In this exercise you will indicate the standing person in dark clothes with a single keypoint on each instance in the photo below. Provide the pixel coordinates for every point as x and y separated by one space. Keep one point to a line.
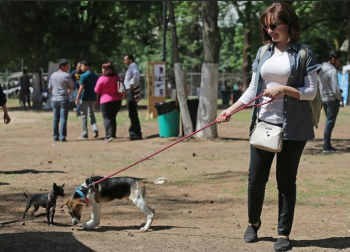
76 78
132 92
24 82
3 102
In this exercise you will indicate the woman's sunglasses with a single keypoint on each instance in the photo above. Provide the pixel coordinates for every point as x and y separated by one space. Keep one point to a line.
271 26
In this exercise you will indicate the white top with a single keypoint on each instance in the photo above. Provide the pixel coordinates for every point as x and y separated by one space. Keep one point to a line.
132 76
276 71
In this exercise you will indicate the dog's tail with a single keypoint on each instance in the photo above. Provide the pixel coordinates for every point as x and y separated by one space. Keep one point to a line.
25 195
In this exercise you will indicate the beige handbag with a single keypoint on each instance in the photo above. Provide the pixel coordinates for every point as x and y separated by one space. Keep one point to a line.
267 137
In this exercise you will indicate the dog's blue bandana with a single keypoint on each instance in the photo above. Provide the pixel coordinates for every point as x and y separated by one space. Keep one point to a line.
82 195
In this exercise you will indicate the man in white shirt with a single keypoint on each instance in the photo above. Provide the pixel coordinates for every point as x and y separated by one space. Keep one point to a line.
132 92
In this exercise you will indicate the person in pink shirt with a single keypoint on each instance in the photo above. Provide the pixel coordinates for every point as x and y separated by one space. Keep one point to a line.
106 88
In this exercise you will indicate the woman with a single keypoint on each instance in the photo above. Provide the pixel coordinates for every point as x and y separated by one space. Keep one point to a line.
278 74
110 102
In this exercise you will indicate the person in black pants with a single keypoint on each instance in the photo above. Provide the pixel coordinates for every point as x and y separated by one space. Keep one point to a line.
278 75
107 90
132 92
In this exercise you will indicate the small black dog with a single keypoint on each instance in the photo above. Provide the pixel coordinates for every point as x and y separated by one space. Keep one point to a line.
47 201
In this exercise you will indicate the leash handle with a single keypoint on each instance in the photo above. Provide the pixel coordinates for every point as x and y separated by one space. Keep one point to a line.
185 137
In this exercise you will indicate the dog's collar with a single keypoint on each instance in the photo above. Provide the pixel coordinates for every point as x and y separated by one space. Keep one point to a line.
82 195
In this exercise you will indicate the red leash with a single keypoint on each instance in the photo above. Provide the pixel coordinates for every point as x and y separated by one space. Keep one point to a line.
185 137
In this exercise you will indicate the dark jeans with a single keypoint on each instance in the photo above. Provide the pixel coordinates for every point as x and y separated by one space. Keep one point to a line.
25 97
135 127
109 112
331 109
286 173
60 113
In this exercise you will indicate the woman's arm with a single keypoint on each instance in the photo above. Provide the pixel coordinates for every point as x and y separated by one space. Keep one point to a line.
248 95
308 92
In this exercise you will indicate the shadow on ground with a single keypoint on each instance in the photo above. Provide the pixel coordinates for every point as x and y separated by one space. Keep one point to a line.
38 241
330 243
25 171
132 228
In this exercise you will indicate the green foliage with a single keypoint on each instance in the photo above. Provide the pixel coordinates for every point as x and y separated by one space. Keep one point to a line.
43 31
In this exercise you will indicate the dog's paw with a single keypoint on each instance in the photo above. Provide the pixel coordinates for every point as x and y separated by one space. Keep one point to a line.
143 229
89 225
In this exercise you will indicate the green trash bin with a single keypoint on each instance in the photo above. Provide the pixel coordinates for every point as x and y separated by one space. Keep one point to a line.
168 119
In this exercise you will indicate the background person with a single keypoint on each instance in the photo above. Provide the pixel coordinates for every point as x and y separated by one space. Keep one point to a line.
59 85
3 102
24 83
132 92
75 75
110 102
86 97
331 96
278 74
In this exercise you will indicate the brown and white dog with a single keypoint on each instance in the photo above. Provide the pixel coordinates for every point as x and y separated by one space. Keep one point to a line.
105 191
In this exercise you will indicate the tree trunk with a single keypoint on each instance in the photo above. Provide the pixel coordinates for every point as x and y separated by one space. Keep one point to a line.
247 63
207 110
37 99
180 89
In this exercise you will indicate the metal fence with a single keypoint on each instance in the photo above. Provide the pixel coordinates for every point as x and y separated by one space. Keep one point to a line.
10 83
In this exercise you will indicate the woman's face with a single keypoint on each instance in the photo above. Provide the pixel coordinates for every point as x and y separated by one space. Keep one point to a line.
277 30
103 71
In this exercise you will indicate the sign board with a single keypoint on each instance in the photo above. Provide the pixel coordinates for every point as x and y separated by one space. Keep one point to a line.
156 86
343 80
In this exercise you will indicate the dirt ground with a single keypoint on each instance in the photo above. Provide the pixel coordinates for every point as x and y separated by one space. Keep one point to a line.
202 207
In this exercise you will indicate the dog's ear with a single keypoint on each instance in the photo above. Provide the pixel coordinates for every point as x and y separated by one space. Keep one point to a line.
65 203
63 185
54 186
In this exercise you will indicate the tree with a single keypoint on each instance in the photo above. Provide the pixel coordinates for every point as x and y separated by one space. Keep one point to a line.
210 70
245 18
180 89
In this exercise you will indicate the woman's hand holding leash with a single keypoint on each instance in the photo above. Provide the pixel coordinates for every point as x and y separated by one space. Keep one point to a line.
224 116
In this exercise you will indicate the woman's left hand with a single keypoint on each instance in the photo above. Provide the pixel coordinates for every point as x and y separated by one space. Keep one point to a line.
273 92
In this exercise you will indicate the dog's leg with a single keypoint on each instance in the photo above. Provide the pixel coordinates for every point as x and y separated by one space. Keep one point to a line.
48 215
36 207
95 213
141 203
52 214
26 210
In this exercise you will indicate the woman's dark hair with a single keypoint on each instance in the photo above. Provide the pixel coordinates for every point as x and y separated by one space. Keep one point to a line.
284 12
109 69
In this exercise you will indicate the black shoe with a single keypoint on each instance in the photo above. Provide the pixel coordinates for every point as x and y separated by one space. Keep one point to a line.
282 244
63 140
251 234
56 139
329 150
135 137
95 134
